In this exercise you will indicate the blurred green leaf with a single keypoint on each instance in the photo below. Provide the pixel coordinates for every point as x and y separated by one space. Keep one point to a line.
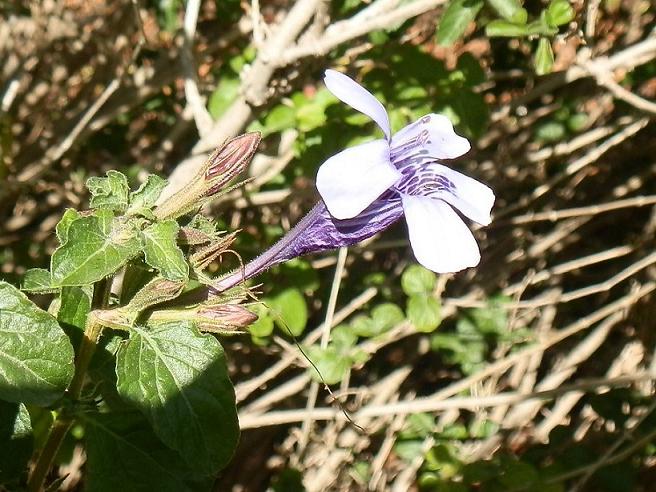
225 93
502 28
544 57
417 280
263 326
551 131
457 16
578 122
559 12
511 10
330 364
290 311
424 312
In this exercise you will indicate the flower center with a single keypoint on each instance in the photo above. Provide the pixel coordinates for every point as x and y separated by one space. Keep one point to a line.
423 182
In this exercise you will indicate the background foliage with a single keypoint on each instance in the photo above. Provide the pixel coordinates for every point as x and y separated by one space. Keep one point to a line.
532 372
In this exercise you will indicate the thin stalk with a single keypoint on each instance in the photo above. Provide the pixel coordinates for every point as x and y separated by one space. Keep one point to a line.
64 421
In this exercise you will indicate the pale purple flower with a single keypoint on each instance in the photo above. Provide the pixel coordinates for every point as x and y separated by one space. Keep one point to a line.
405 167
367 188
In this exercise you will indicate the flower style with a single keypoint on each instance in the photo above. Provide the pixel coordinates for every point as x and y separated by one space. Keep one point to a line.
405 167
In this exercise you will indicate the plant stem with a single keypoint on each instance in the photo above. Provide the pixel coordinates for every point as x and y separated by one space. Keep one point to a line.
63 423
43 464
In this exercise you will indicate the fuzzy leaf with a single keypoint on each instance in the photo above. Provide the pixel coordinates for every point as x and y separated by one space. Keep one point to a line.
110 192
123 454
36 357
64 223
37 280
162 252
178 378
147 194
97 247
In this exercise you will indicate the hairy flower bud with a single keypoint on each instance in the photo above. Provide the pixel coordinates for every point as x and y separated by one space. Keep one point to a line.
223 319
223 165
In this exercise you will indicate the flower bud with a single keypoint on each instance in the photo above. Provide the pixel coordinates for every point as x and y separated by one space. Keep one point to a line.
224 318
224 164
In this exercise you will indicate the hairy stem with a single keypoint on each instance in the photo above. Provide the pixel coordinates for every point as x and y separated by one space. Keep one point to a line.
64 421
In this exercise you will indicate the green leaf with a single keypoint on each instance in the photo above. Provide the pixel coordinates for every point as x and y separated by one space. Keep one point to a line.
385 316
110 192
162 252
502 28
75 306
147 194
37 280
330 363
178 378
457 16
290 311
263 326
97 246
64 223
551 131
16 440
424 312
36 358
280 118
510 10
544 57
123 454
559 12
417 280
223 96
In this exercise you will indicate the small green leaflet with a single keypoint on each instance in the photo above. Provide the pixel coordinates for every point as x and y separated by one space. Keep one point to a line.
37 280
145 197
110 192
36 357
162 252
178 378
64 223
98 245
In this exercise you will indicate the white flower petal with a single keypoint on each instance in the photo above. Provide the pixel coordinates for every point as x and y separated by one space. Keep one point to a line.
471 197
356 96
440 240
351 180
432 135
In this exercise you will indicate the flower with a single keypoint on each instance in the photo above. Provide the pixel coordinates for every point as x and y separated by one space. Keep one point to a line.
406 167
